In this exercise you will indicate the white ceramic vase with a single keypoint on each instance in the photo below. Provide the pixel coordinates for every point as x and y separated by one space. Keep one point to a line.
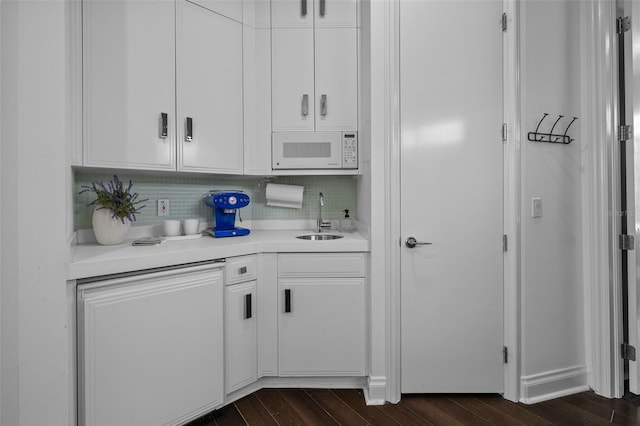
109 230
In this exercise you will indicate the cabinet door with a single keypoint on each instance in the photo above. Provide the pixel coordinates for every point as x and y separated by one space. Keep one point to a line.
209 90
336 79
150 349
335 13
229 8
292 13
241 338
129 82
323 332
309 13
293 79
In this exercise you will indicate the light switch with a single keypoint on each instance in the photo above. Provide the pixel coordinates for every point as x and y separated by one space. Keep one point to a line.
536 207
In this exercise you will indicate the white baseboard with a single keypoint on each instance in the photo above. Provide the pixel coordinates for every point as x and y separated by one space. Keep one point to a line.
553 384
375 390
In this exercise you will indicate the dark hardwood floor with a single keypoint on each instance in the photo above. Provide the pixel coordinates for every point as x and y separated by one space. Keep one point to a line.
347 407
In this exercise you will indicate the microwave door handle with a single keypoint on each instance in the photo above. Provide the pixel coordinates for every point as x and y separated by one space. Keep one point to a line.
305 105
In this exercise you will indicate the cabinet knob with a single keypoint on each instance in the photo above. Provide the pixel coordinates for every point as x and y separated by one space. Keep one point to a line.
305 105
303 8
242 270
323 8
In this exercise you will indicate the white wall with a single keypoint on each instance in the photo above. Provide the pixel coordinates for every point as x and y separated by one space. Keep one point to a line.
35 385
372 185
1 214
363 185
552 333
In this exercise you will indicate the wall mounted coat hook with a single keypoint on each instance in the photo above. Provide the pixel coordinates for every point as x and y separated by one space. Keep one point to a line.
538 136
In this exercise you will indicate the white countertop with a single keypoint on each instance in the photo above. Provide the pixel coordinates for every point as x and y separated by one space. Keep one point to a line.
93 259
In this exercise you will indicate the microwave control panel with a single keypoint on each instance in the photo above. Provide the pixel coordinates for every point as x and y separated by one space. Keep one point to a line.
349 150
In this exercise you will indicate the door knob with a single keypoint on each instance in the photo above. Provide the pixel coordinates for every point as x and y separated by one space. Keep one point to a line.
411 242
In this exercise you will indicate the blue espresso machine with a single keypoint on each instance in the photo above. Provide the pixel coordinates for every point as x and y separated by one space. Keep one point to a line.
224 205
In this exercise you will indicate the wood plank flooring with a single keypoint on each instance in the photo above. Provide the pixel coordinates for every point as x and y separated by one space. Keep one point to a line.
347 407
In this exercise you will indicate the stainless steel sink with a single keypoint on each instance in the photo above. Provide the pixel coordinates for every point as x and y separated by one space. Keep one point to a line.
319 237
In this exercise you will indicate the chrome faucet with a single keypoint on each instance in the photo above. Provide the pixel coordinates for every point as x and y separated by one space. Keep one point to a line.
320 206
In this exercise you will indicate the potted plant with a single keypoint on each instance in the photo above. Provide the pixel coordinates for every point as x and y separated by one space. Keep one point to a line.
115 208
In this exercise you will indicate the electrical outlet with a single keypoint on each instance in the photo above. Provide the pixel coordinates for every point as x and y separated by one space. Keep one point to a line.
163 207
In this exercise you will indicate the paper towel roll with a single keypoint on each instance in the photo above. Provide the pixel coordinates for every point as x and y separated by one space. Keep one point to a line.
284 195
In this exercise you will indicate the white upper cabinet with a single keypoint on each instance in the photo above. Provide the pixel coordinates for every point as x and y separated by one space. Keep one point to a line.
315 79
209 91
229 8
162 86
336 79
129 84
314 49
293 79
313 13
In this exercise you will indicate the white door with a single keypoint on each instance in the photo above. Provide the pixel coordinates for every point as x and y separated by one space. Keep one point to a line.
452 168
632 107
209 91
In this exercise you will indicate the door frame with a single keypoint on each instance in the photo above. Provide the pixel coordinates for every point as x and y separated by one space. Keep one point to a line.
511 203
601 279
601 197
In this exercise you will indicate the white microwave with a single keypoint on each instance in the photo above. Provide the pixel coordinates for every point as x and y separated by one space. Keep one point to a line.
314 150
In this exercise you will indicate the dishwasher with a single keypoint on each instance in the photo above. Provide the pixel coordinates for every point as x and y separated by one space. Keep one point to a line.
150 345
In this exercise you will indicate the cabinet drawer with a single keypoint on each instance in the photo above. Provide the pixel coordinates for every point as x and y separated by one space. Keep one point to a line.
321 265
241 269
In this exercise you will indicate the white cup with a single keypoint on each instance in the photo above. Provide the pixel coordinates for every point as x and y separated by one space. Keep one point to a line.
171 228
190 226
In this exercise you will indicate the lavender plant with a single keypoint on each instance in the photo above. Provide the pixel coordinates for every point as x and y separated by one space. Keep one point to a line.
115 197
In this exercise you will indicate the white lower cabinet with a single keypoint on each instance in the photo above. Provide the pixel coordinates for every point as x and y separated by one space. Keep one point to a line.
241 344
321 321
150 347
241 322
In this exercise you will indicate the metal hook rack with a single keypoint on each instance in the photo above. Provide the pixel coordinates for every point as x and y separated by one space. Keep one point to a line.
551 137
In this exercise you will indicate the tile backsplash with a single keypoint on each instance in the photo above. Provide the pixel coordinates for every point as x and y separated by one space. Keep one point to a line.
185 195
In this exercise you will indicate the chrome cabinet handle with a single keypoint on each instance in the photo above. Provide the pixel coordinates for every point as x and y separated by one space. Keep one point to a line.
323 8
303 8
188 137
164 124
323 105
305 105
411 242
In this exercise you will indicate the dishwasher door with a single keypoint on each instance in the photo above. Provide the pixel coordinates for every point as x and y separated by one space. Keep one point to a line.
150 346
